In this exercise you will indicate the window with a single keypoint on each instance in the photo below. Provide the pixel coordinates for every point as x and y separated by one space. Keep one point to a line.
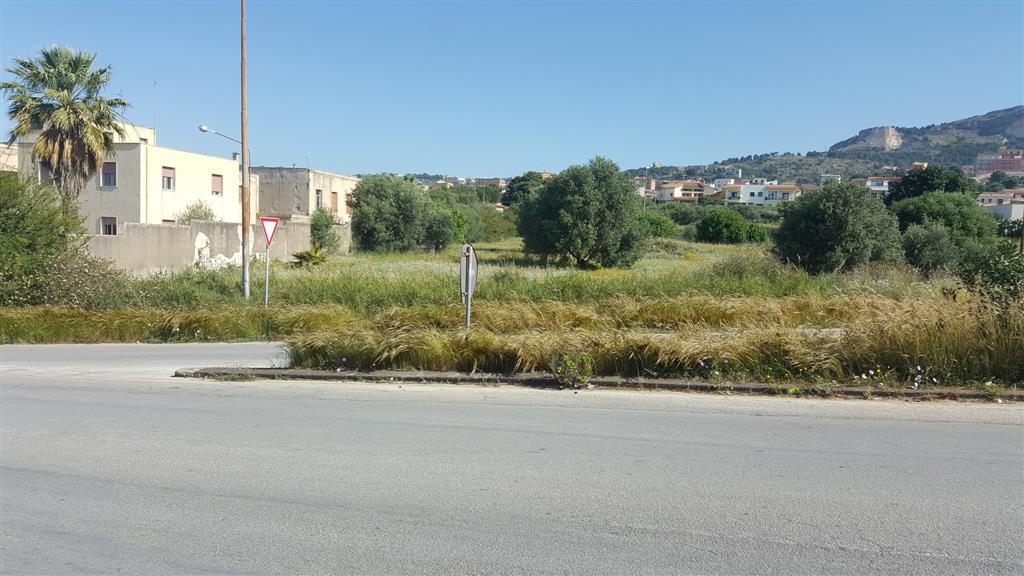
217 184
751 194
108 226
334 202
167 178
108 177
143 140
319 199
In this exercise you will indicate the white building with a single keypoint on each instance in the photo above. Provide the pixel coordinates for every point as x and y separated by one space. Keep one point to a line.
879 185
1005 204
682 191
760 193
149 184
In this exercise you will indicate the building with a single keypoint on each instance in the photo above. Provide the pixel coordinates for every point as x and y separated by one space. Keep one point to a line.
1009 160
8 157
878 185
826 178
760 193
297 192
149 184
682 191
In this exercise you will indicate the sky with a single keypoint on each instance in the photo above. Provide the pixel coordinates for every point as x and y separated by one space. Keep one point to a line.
498 88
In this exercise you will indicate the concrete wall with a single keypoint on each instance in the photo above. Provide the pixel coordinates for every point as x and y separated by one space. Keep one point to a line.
149 248
1006 211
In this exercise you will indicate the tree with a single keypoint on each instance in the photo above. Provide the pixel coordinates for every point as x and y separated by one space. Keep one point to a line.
722 226
521 186
390 214
1001 181
59 94
929 247
659 226
321 231
960 214
837 228
440 227
590 214
197 210
930 179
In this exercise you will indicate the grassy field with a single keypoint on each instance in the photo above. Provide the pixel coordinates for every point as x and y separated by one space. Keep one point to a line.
716 312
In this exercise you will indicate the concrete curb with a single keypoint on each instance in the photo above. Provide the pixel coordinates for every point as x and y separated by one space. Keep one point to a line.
545 380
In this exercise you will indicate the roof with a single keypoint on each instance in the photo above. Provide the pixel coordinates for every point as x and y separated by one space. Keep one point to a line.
783 187
886 178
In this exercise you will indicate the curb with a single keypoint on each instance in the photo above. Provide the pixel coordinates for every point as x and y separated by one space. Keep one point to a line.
546 380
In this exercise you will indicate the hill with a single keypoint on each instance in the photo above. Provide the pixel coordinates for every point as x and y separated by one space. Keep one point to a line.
873 151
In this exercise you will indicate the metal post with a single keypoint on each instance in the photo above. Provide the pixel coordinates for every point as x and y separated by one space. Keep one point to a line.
469 309
266 282
246 226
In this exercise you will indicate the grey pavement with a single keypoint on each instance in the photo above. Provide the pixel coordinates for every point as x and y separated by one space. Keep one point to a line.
109 465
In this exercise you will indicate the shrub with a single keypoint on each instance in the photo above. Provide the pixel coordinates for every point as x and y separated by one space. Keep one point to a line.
315 256
440 230
659 226
958 213
722 226
837 228
929 247
573 370
998 275
197 210
43 257
590 214
683 214
321 231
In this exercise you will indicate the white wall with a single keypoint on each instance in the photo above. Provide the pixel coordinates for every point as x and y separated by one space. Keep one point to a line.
192 174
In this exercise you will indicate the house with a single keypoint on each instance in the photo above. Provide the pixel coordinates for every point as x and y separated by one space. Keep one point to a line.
761 193
878 185
149 184
682 191
289 193
8 157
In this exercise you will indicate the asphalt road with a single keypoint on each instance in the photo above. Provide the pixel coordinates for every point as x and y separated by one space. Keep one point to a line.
107 465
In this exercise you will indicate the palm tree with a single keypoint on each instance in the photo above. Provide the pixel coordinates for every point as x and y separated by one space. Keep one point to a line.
58 95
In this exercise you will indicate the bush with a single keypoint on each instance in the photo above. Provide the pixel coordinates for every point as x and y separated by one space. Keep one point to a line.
929 247
837 228
998 275
659 226
43 257
197 210
315 256
723 226
590 214
958 213
684 214
321 231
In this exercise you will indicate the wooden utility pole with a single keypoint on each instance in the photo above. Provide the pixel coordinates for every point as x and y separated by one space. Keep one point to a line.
246 225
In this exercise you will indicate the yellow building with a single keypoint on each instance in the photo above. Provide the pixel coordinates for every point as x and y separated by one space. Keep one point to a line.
149 184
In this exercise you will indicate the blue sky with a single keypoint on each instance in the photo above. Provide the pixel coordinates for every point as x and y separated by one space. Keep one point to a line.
493 89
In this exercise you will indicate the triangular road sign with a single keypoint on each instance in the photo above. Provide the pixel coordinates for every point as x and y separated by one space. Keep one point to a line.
269 228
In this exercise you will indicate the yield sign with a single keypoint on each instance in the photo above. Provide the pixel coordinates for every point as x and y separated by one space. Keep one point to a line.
269 228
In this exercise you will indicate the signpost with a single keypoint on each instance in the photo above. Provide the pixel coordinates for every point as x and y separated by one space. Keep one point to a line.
467 277
269 229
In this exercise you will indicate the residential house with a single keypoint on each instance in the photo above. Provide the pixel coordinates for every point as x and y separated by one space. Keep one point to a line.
149 184
682 191
878 185
289 193
760 193
8 157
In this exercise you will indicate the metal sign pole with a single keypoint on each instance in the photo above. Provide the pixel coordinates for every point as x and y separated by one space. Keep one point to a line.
266 281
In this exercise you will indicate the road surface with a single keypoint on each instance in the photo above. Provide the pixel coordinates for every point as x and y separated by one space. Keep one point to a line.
107 464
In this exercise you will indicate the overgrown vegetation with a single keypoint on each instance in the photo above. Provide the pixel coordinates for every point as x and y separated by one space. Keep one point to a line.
321 232
197 210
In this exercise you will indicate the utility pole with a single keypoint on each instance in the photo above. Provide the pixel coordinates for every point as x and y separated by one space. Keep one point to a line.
246 226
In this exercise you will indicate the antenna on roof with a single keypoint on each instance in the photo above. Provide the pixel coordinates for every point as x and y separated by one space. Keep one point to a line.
154 104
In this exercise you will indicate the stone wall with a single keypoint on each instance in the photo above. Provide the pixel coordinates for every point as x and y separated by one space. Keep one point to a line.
149 248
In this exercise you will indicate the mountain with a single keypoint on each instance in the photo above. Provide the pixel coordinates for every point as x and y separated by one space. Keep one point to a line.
873 151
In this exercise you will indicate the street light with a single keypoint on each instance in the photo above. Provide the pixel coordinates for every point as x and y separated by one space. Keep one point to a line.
207 130
245 207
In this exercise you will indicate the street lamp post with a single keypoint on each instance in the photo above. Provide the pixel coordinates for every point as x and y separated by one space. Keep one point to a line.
245 206
246 228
